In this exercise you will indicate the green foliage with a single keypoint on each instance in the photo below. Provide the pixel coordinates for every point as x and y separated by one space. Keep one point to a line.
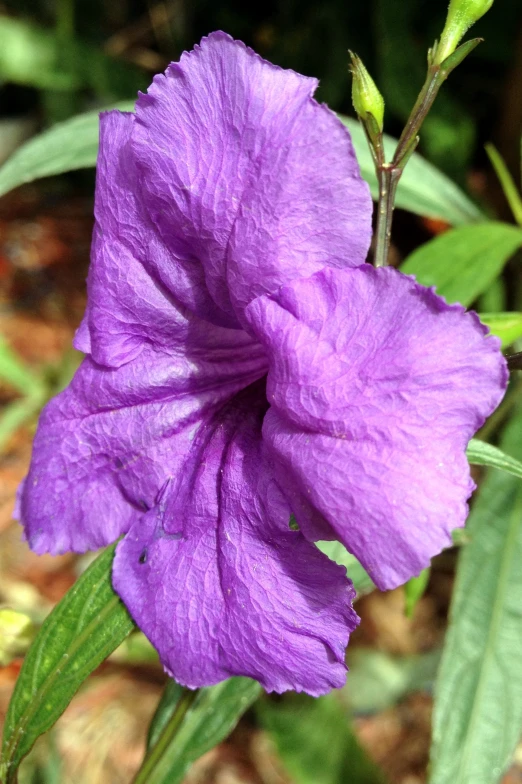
506 326
511 193
378 680
478 705
315 741
362 582
464 261
36 386
26 381
210 715
33 56
448 133
15 372
414 591
70 145
81 631
423 189
480 453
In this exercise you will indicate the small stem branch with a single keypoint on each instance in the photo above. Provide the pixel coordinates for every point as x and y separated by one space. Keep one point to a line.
423 104
389 174
156 753
514 361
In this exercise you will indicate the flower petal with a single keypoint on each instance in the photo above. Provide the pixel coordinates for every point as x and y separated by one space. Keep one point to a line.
377 385
128 304
107 443
243 173
220 584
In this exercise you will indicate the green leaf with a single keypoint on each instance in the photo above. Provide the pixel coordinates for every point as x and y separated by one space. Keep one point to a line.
37 57
414 590
81 631
170 698
480 453
478 697
28 56
506 326
378 680
207 719
506 180
25 380
16 372
69 145
337 552
463 262
315 741
423 189
18 412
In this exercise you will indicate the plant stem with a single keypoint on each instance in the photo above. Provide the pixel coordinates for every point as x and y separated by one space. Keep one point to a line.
389 174
156 753
423 104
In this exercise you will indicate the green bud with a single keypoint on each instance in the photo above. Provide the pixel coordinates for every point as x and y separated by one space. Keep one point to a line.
366 98
461 15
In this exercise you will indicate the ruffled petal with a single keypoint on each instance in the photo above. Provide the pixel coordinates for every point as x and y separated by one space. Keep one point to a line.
245 176
105 446
376 387
129 306
220 584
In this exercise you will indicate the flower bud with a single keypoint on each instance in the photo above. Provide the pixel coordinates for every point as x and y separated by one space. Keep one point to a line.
461 15
366 98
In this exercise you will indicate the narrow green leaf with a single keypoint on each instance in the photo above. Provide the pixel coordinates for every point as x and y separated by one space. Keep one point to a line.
506 326
481 453
423 189
69 145
463 262
478 697
315 741
414 590
81 631
15 372
18 412
170 698
362 581
506 180
212 715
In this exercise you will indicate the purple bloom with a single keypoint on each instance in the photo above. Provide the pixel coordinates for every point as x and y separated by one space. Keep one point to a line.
244 364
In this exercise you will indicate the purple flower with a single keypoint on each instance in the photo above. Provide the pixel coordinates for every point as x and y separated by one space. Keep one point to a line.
244 364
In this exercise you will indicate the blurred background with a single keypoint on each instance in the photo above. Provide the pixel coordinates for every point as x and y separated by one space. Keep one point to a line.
62 57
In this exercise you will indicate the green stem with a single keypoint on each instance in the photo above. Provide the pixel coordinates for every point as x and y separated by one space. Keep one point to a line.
388 174
423 104
388 177
156 753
